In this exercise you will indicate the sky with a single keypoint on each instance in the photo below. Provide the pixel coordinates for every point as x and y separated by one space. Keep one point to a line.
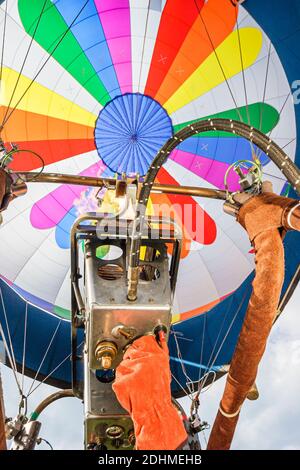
271 422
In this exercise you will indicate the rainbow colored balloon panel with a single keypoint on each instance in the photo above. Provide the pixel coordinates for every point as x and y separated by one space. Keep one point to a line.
105 85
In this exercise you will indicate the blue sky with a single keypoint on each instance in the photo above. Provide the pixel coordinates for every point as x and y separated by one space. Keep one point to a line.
272 422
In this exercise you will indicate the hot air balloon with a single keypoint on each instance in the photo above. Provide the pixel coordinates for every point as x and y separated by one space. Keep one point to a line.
95 88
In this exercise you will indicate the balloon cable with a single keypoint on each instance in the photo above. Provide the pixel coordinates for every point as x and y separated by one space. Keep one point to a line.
52 371
44 64
242 65
44 357
202 347
24 62
219 62
280 113
265 87
3 42
9 349
143 49
24 346
179 355
213 360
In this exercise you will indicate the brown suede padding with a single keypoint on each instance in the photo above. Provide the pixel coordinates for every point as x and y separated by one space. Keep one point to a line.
264 212
2 185
143 388
262 216
292 222
222 432
251 345
5 195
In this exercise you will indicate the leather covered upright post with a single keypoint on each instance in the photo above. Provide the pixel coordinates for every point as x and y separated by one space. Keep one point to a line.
10 187
265 217
5 189
143 387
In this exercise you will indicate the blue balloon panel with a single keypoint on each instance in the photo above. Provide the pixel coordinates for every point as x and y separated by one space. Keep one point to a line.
129 131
